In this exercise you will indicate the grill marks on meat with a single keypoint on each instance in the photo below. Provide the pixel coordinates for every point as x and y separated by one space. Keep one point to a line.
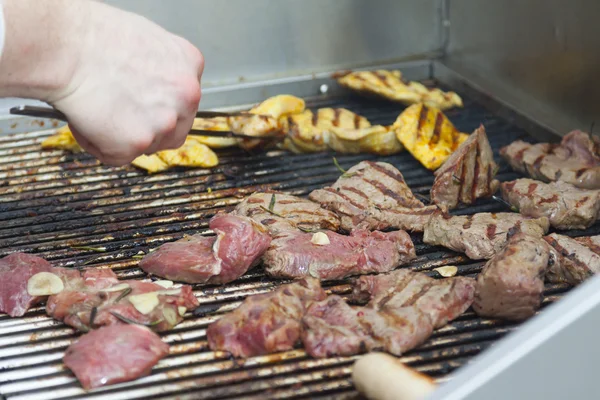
576 160
238 246
404 309
292 254
511 284
15 271
467 175
575 260
471 234
114 354
265 323
289 212
566 206
374 195
91 301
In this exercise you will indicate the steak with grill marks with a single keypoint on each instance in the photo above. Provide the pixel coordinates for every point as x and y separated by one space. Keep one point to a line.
566 206
238 246
481 235
15 271
374 195
404 309
575 260
265 323
511 284
287 212
94 300
292 254
467 175
576 160
114 354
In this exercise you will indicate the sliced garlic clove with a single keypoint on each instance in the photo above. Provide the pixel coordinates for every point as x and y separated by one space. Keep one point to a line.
181 310
447 271
145 302
116 288
44 284
170 315
164 283
320 239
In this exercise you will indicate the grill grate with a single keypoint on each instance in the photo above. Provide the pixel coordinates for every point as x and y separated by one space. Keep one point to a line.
52 202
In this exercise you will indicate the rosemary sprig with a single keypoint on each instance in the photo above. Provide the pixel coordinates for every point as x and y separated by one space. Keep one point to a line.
506 203
272 203
88 248
123 294
345 174
307 230
456 179
93 316
132 322
137 256
272 212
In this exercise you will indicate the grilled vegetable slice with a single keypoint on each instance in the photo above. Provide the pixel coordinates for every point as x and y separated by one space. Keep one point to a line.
310 132
213 124
374 139
63 139
191 154
279 106
390 85
428 134
151 163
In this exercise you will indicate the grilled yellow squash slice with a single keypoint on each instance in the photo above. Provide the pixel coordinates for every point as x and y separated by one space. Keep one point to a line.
191 154
309 132
279 106
427 134
213 124
151 163
390 85
374 139
63 139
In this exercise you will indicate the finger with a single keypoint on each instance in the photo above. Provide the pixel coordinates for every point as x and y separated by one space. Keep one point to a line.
86 144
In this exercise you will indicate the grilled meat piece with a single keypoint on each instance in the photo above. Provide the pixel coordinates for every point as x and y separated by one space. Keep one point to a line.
566 206
265 323
404 309
575 260
288 212
467 174
576 160
15 271
309 132
390 85
428 135
238 246
511 284
114 354
374 195
92 301
293 254
482 235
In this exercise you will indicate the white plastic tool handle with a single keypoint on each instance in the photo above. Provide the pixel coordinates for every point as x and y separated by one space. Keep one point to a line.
380 376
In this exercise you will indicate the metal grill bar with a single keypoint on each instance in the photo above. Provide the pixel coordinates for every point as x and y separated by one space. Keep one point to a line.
52 202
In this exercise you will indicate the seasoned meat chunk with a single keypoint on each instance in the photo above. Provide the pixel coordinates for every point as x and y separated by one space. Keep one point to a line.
374 195
565 205
467 175
511 284
482 235
575 260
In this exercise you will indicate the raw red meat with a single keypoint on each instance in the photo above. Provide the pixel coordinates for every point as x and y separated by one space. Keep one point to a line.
238 246
114 354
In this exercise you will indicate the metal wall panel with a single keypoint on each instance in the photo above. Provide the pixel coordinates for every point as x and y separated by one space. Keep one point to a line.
264 39
541 56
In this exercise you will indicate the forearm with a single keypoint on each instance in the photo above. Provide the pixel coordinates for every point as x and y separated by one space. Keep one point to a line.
41 49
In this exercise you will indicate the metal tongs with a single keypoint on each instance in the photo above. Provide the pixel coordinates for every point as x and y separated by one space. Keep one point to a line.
52 113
